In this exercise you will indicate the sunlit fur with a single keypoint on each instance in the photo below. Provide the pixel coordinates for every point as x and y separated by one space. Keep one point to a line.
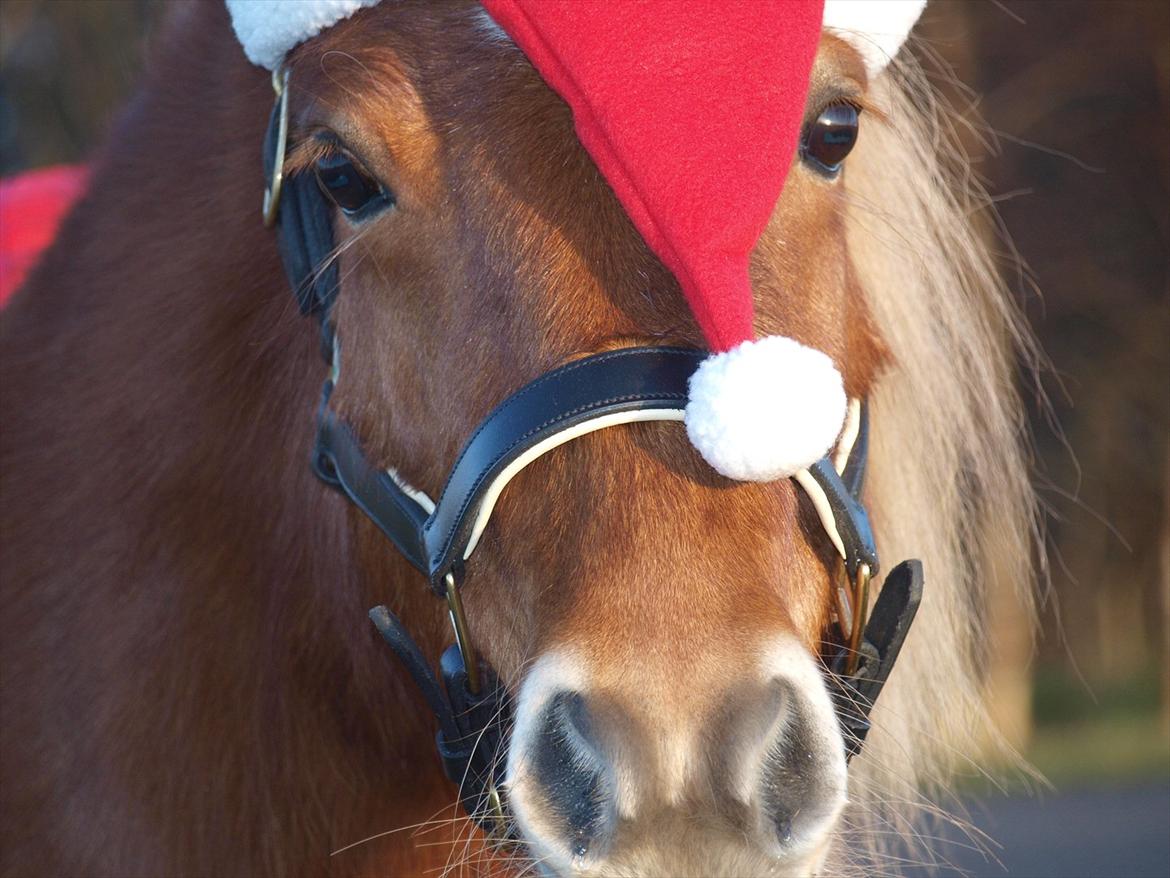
190 685
962 501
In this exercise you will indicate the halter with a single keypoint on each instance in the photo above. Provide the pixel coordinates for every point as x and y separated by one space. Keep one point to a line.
438 538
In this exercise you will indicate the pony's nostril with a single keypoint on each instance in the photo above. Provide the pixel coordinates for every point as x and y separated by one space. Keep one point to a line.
571 773
783 829
796 792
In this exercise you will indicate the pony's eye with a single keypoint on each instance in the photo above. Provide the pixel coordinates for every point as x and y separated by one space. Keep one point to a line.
348 186
831 136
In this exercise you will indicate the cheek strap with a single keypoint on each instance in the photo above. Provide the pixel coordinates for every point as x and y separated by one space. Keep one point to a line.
623 386
302 217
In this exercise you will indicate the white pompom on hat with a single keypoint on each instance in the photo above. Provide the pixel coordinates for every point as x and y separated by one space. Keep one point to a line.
661 88
736 434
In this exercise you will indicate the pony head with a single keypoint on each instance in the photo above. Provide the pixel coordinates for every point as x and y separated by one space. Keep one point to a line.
501 208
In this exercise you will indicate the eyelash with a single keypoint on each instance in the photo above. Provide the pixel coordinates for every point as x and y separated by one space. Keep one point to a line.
346 182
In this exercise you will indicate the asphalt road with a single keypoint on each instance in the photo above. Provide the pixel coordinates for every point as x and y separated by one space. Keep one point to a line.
1087 834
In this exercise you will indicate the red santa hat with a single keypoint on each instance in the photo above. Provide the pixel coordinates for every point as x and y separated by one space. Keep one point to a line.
32 207
692 112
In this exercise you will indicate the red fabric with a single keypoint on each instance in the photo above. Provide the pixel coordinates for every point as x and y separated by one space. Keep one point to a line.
692 112
31 207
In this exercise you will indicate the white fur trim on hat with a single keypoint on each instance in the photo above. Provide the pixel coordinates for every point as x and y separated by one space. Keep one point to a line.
765 409
875 28
267 29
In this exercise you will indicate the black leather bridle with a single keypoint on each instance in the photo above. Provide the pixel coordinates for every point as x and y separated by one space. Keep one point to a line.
634 384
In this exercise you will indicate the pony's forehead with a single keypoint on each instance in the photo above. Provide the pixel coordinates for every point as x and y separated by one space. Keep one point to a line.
718 90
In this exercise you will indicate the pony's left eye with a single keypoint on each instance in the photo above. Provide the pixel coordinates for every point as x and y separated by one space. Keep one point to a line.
831 136
350 187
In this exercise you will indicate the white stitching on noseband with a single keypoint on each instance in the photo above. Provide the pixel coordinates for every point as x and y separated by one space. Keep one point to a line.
418 495
824 511
848 436
814 491
542 448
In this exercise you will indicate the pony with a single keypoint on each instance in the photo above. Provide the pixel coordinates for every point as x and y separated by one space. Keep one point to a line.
189 681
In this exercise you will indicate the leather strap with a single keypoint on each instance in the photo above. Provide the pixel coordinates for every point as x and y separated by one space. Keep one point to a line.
304 232
632 379
853 473
558 403
470 726
340 463
889 623
849 518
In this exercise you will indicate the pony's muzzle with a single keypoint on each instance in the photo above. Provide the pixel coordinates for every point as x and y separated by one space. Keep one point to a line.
598 777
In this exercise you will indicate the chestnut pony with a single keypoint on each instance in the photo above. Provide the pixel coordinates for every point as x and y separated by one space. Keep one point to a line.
190 682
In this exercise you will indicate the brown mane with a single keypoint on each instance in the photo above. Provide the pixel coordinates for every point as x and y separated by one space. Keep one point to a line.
189 682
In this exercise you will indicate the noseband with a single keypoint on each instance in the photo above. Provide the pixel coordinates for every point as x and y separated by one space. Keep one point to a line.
439 537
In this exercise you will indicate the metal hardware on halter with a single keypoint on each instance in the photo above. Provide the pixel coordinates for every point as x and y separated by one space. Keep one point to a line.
462 635
855 692
500 829
275 183
471 725
851 606
860 608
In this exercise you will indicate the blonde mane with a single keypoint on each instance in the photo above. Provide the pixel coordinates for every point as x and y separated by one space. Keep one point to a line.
948 477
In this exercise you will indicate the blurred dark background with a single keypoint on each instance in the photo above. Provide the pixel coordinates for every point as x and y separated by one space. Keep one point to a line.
1074 148
1064 107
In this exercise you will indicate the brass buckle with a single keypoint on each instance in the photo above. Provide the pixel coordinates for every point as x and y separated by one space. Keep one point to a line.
498 834
496 817
275 183
860 614
462 636
852 608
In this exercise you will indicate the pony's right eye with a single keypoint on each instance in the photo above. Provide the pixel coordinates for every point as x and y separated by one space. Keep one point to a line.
350 187
831 136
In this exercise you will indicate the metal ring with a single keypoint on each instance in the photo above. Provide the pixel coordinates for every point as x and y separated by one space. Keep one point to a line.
462 636
843 603
860 610
275 183
495 806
